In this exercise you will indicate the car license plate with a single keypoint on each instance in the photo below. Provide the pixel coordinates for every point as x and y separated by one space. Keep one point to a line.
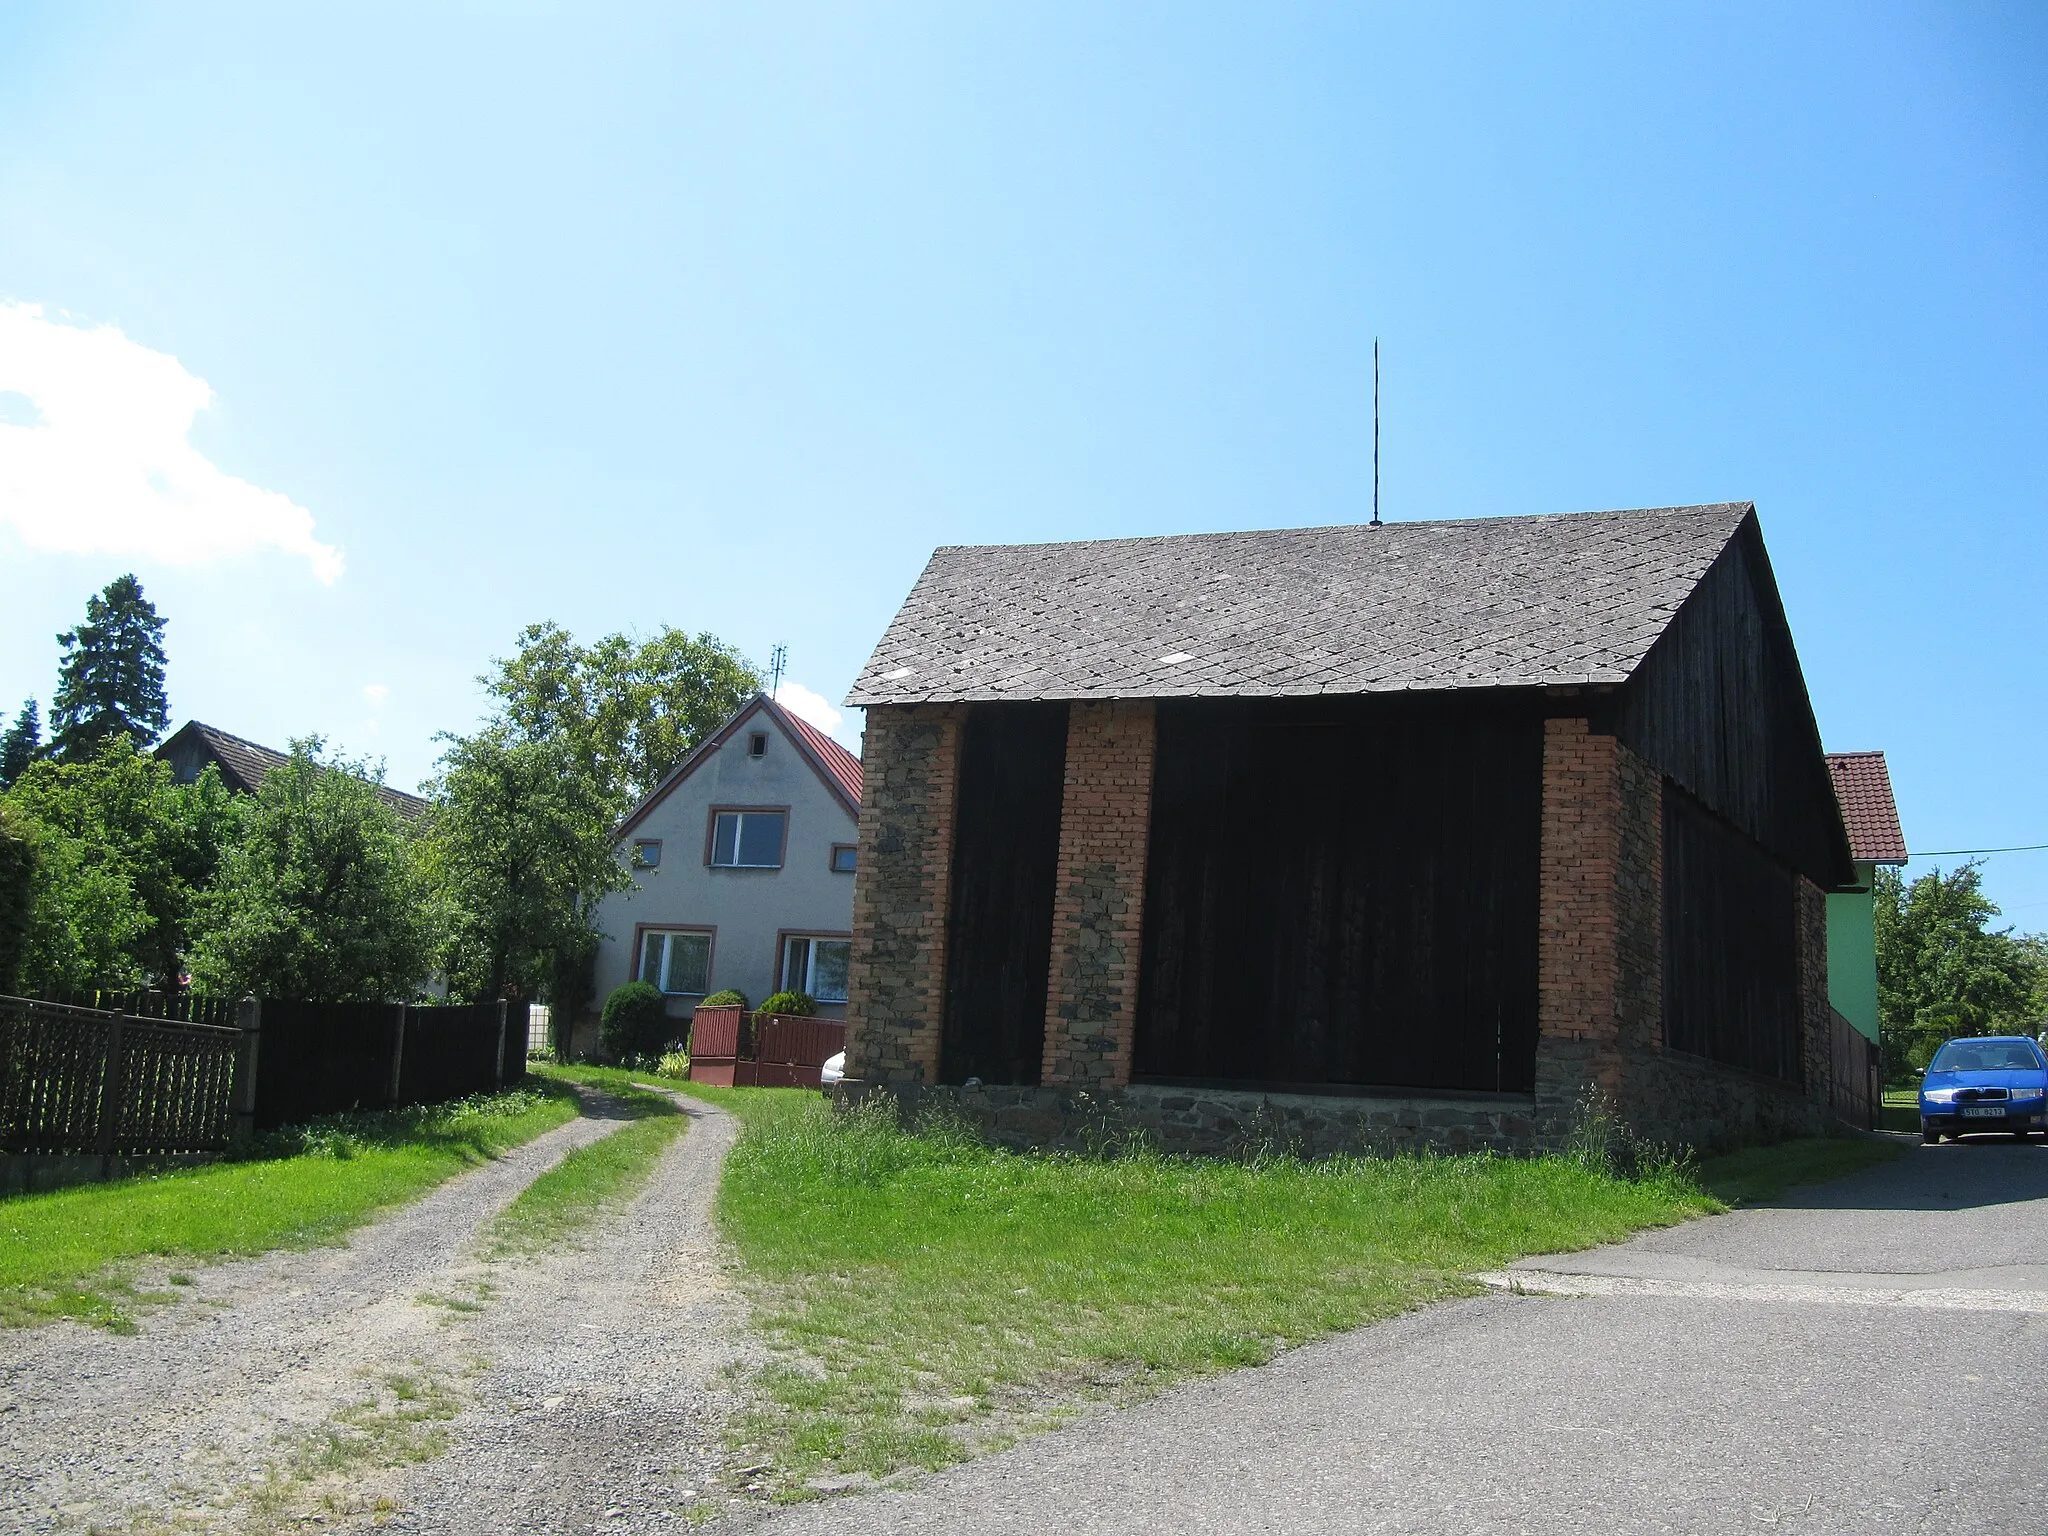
1984 1111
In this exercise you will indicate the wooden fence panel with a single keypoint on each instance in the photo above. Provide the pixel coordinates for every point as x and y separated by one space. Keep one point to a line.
81 1080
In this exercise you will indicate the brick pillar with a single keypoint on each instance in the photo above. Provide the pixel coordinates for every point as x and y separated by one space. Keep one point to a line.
896 981
1600 921
1099 894
1816 1013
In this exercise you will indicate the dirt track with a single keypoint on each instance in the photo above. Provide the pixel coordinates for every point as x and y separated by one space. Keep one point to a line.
564 1386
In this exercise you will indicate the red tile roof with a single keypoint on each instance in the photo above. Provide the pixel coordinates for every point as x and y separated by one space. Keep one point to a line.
841 764
1864 788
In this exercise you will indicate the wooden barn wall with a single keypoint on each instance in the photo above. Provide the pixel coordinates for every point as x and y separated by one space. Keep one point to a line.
1343 892
1731 947
1720 706
1006 842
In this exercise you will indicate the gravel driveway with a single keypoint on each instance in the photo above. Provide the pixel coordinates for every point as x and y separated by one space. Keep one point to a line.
572 1380
1865 1357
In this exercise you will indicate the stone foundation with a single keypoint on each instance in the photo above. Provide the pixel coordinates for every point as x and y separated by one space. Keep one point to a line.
1228 1122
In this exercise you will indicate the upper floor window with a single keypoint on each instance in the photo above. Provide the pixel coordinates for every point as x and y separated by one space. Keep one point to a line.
757 744
844 856
747 839
647 853
816 966
677 961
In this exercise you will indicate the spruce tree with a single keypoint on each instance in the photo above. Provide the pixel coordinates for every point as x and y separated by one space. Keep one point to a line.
111 679
19 746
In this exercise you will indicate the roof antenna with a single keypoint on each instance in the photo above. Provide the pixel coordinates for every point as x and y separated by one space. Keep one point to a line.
778 659
1375 432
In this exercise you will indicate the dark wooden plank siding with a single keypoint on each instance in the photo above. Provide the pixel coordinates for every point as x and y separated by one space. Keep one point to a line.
1344 892
1731 956
1719 705
1005 857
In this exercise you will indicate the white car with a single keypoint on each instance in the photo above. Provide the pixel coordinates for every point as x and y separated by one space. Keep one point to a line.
833 1070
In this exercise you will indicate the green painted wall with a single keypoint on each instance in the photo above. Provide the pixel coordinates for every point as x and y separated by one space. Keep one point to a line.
1852 953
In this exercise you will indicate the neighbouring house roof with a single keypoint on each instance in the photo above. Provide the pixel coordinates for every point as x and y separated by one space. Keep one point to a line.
1499 602
1871 815
838 768
244 765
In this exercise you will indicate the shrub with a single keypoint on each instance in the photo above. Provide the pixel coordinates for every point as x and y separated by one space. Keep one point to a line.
802 1004
674 1064
725 999
635 1022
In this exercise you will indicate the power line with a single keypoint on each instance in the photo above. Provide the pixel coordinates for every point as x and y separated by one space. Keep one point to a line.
1942 853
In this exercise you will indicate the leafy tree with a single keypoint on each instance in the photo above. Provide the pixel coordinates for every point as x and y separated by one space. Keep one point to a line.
521 851
629 709
111 679
1941 972
19 746
17 891
323 895
123 852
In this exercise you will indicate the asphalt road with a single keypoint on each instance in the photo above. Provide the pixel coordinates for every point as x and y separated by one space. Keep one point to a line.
1869 1356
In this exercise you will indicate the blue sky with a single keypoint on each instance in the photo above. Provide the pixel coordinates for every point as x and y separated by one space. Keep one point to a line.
724 316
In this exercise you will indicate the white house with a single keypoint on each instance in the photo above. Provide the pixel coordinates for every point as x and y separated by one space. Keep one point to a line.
743 860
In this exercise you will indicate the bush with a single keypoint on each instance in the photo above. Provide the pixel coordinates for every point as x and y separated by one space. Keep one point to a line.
635 1022
674 1064
802 1004
725 999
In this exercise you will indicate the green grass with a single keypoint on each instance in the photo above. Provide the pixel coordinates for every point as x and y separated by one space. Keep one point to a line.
73 1252
1764 1173
591 1180
1900 1110
933 1297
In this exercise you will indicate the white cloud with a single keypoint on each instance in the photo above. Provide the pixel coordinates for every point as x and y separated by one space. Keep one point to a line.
806 705
103 466
376 693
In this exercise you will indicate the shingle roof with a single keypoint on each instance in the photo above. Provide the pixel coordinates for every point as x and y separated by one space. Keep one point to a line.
246 764
1864 787
1481 603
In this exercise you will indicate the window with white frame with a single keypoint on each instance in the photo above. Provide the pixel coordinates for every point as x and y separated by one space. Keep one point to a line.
747 839
816 966
676 960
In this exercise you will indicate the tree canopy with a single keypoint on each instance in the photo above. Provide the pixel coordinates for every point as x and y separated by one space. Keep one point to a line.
628 709
110 681
21 743
123 852
521 851
323 895
1942 971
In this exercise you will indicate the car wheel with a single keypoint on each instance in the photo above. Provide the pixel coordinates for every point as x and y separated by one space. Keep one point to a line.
1929 1134
2019 1135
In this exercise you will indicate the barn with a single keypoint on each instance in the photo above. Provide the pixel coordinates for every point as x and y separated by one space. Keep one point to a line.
1349 837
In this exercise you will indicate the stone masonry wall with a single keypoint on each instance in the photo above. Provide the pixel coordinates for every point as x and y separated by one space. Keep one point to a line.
1099 894
1225 1122
901 893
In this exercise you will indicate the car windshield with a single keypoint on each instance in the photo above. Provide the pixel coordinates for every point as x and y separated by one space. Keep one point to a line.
1987 1056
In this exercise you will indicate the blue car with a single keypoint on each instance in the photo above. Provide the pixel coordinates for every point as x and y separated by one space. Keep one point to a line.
1996 1083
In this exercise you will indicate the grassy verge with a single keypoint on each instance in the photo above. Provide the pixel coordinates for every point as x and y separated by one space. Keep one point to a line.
591 1180
1900 1110
73 1252
933 1297
1764 1173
